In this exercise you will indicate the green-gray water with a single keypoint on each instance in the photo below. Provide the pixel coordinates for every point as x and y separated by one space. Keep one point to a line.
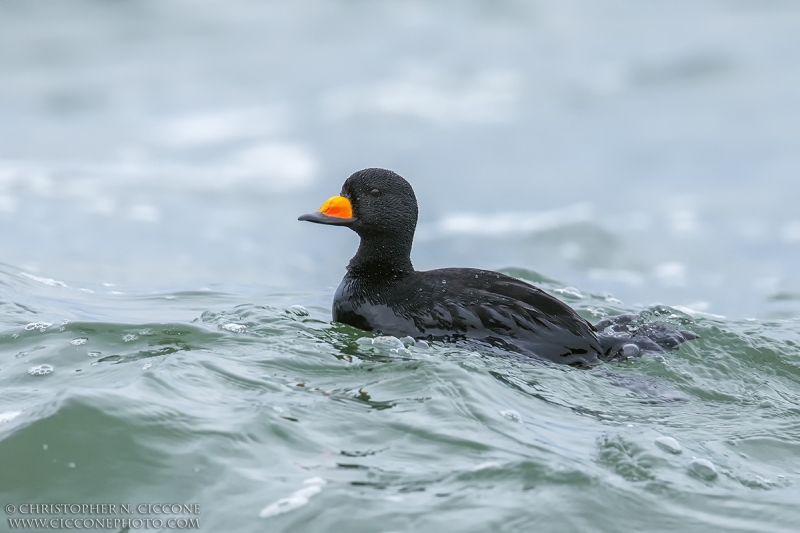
273 418
627 156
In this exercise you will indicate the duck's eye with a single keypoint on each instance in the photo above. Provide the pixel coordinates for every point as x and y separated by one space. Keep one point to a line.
375 192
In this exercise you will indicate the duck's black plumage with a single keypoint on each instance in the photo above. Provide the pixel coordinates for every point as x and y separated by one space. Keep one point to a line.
382 292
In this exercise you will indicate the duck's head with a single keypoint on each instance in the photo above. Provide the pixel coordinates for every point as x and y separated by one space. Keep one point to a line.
374 202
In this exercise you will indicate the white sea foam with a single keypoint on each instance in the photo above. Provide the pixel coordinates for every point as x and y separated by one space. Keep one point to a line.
692 310
8 416
295 500
569 291
507 223
41 370
41 326
46 281
264 164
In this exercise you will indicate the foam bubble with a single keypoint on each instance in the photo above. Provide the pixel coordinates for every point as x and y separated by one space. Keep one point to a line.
669 444
41 326
295 500
41 370
387 341
703 468
408 341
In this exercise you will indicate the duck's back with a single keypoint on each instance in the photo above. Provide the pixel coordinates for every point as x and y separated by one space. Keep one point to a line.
470 304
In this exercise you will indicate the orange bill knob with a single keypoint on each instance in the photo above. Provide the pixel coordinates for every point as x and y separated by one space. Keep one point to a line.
337 211
337 207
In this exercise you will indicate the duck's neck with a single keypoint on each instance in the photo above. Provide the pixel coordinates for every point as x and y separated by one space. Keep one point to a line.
381 258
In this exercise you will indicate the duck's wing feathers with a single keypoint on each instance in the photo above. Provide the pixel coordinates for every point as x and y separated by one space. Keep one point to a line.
490 302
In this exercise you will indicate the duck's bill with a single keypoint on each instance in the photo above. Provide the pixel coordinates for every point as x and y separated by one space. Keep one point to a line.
319 218
337 211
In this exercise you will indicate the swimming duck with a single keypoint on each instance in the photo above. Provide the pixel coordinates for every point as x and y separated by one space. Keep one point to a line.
383 293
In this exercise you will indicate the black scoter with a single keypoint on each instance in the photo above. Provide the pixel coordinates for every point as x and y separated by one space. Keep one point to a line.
383 293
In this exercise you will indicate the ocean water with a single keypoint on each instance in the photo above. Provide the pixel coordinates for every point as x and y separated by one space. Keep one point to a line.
165 332
272 417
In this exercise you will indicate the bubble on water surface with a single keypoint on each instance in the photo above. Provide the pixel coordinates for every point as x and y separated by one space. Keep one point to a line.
423 344
147 366
364 341
236 328
669 444
295 500
630 350
703 468
41 326
41 370
404 351
298 310
129 337
408 341
80 341
147 332
93 354
387 341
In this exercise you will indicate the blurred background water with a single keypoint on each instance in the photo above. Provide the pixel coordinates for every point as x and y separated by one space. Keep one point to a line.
650 151
154 157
